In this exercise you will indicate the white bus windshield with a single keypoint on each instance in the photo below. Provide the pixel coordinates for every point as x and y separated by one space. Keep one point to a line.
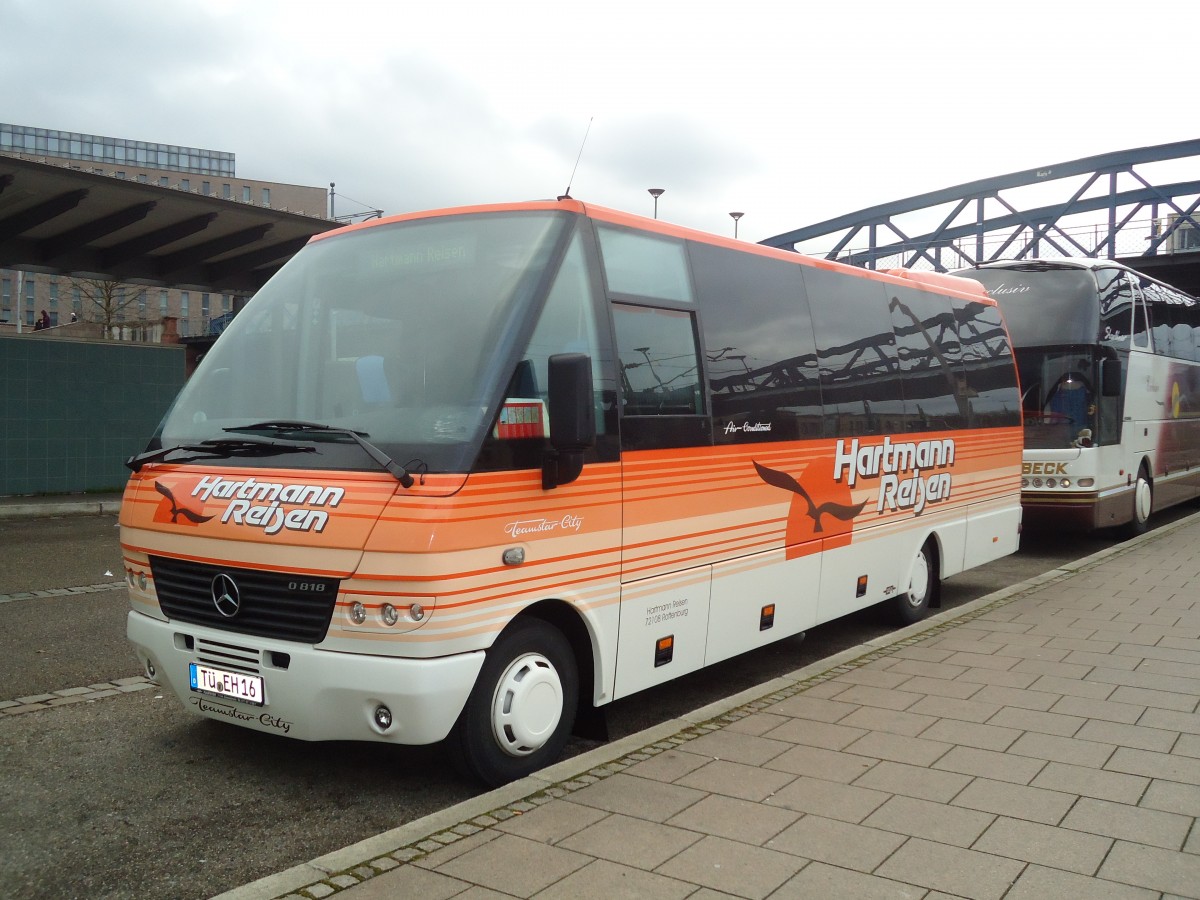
400 332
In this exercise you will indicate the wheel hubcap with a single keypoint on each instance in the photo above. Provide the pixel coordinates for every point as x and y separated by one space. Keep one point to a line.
1143 500
527 706
918 586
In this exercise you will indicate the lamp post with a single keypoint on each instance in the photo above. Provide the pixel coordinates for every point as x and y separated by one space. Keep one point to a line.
735 216
656 193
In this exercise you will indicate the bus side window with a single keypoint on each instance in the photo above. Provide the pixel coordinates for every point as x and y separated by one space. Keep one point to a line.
567 324
929 348
759 349
856 351
658 362
991 380
1116 308
1141 324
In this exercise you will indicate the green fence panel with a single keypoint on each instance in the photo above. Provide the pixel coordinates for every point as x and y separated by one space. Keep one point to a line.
72 412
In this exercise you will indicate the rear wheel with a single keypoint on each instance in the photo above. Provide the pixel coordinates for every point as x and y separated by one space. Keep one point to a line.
522 707
913 605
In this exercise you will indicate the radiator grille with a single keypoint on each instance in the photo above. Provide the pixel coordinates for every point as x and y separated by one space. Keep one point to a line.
283 606
228 656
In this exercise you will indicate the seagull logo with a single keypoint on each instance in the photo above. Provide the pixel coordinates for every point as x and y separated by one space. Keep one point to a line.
176 510
785 481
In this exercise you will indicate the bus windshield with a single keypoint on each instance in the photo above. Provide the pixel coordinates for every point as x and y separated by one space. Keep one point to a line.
1058 398
401 332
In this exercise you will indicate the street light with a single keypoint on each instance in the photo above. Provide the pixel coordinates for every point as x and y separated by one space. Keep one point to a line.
735 216
656 193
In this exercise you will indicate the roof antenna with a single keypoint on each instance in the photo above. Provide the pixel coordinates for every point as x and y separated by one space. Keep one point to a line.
566 195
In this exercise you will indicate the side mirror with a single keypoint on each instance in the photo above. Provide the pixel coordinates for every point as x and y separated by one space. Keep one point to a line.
572 418
1110 377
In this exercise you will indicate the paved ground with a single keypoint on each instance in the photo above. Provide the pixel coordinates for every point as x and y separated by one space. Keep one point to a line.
1041 742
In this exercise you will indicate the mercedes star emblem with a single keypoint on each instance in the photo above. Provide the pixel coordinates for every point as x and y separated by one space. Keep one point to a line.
225 595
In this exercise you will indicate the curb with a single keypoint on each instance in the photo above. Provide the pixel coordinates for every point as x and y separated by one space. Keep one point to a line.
352 865
41 509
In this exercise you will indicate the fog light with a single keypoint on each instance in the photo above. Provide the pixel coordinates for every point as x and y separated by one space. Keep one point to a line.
142 580
416 612
383 717
1086 482
150 673
358 613
389 615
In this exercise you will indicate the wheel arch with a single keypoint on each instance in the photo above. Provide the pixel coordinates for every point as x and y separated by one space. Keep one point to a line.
579 633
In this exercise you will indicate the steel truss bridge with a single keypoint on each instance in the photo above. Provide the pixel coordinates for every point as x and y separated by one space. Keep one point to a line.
1109 206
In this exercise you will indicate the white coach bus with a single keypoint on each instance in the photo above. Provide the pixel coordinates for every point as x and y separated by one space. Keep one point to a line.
1109 361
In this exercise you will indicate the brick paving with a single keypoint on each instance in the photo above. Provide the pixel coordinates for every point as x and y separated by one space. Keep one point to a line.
1041 742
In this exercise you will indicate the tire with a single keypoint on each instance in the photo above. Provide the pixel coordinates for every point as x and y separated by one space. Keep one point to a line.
913 605
1143 504
521 710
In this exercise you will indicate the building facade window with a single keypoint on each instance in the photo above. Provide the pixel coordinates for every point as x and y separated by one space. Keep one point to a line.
183 304
246 193
266 196
162 303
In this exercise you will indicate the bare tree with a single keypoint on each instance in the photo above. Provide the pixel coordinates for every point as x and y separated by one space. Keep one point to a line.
107 302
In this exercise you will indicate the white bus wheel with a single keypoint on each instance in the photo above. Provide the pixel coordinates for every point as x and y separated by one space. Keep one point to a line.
913 605
522 708
1143 503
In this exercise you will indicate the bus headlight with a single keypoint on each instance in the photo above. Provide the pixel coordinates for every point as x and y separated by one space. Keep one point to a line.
1066 482
358 613
1037 482
1050 482
389 615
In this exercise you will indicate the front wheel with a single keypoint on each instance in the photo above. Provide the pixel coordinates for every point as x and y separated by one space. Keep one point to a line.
522 707
913 605
1143 503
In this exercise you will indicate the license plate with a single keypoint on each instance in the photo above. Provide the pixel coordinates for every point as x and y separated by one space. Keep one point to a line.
207 680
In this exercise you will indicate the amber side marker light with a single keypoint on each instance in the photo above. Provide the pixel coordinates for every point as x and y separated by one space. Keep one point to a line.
766 618
664 650
862 586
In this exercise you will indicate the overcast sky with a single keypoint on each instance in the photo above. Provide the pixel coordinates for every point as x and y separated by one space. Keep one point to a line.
793 112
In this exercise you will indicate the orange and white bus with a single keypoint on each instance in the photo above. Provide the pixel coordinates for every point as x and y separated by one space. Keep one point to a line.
468 475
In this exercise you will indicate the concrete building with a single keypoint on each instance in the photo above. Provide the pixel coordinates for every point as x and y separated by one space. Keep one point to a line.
135 312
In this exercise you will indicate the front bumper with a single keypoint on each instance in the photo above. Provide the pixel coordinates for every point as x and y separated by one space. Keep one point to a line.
311 694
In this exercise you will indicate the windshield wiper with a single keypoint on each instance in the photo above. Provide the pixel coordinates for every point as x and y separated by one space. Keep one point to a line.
280 426
218 448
